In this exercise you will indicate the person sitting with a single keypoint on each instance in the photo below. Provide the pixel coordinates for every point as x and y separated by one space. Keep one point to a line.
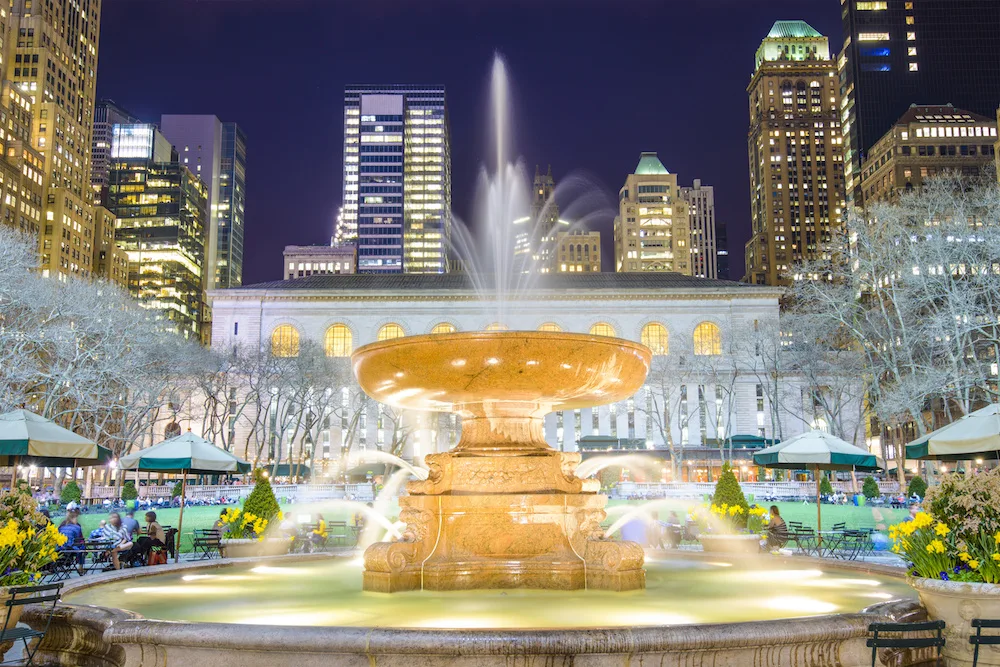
673 531
118 536
152 536
777 531
98 532
70 527
318 536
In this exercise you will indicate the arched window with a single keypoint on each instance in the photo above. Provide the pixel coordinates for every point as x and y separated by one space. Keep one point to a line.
707 339
390 331
550 326
444 327
654 336
602 329
339 341
497 326
285 341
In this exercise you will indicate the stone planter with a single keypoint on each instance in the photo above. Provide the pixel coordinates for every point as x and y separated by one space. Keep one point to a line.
244 548
957 603
730 544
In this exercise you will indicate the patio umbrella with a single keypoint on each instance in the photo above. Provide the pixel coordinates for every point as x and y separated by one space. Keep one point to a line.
186 455
817 450
969 436
25 435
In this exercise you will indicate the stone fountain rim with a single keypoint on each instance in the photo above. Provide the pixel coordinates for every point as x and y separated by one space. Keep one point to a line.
504 334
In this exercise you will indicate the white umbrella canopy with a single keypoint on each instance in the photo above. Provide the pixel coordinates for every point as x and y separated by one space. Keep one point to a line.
817 450
969 436
25 435
185 454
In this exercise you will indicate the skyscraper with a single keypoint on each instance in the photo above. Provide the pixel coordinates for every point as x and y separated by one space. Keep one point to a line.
576 251
397 178
535 235
160 210
701 210
54 64
652 230
216 153
795 150
902 52
107 114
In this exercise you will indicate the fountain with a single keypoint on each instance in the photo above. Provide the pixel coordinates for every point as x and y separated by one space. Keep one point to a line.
503 509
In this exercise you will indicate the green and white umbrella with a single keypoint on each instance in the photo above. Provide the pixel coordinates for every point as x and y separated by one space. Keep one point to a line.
817 450
186 454
975 435
28 438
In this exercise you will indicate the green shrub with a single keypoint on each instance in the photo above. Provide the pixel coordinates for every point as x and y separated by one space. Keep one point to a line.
728 493
71 492
261 502
917 486
129 491
870 488
176 491
825 488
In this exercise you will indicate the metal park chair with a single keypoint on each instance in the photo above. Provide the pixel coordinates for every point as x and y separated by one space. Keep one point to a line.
904 637
20 596
979 639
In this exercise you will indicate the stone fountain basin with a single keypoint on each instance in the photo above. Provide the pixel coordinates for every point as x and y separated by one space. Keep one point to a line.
551 370
109 637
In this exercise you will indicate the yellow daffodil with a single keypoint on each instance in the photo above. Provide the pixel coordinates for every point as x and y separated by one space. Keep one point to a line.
941 529
974 564
964 557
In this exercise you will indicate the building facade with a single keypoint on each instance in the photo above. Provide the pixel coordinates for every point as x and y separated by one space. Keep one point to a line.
397 178
700 332
795 151
925 141
111 261
301 261
577 251
535 234
652 229
704 248
902 52
160 210
216 153
107 114
22 177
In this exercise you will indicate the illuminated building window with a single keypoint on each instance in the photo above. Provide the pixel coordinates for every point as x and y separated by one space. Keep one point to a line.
444 328
390 331
913 67
602 329
550 326
707 339
338 342
873 37
285 341
910 36
654 336
866 6
496 326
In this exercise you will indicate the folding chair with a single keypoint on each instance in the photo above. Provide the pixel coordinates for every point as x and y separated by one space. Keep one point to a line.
20 596
905 640
979 639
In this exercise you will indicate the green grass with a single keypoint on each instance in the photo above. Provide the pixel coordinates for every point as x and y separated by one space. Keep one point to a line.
204 517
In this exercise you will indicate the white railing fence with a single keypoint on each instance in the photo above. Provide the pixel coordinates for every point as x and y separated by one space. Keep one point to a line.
759 490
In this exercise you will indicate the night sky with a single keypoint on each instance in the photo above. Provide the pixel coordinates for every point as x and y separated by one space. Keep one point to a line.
594 83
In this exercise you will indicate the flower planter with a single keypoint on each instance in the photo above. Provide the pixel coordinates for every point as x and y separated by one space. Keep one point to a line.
730 544
957 603
243 548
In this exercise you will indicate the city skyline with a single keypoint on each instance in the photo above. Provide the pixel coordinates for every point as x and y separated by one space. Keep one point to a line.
294 193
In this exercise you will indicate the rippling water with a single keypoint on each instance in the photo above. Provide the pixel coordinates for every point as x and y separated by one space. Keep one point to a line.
328 593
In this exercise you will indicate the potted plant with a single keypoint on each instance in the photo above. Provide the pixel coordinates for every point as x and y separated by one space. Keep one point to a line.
731 525
953 552
28 543
244 532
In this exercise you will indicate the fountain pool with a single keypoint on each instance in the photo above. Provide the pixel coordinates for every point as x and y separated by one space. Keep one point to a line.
328 593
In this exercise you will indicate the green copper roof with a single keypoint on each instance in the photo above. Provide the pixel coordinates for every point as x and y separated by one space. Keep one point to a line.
786 29
650 164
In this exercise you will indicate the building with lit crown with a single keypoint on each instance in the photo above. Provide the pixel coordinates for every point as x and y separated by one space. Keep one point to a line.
925 141
160 210
652 229
902 52
397 178
701 209
107 114
535 234
301 261
795 151
706 322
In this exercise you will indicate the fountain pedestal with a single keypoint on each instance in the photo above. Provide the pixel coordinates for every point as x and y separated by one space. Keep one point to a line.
503 509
